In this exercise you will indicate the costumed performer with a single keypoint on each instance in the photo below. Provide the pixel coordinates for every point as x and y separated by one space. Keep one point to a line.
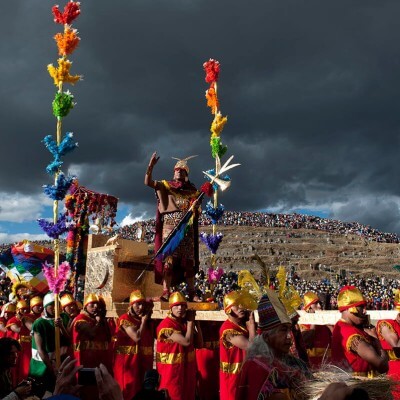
388 331
20 329
175 357
317 338
36 305
7 312
42 365
236 334
91 337
270 372
354 349
174 198
207 360
133 347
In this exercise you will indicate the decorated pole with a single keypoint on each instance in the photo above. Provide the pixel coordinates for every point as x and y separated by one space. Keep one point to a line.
67 41
217 176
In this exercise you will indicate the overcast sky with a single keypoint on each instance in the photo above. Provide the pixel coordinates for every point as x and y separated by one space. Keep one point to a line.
311 90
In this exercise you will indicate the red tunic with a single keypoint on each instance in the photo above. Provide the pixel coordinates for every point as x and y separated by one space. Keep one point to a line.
9 333
259 379
321 350
25 339
34 316
131 359
231 359
91 351
394 361
207 359
175 363
342 336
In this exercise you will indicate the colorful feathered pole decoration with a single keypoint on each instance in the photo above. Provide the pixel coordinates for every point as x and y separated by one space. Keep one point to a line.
67 41
215 176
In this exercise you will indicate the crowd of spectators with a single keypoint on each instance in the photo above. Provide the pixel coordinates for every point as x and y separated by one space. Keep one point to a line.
378 291
270 220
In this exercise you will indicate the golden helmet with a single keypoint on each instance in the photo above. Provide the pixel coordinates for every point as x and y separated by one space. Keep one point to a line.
176 298
397 300
309 299
66 300
231 299
136 297
349 298
22 304
91 298
9 307
36 300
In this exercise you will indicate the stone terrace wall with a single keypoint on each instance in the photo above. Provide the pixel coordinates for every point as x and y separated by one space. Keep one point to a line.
308 250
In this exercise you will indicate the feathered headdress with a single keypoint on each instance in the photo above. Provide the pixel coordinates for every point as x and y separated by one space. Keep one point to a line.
182 163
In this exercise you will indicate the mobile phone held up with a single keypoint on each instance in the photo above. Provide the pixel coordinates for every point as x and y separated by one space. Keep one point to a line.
86 377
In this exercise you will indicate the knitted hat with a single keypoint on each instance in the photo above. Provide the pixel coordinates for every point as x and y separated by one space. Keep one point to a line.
349 298
176 299
48 299
310 298
271 311
136 297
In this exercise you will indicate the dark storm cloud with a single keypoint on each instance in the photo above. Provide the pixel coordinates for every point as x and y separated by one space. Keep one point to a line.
310 88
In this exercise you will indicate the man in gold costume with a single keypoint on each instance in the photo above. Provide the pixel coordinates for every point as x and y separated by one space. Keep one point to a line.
174 198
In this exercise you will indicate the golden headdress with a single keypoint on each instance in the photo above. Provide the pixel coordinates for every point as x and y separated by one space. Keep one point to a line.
309 299
91 298
182 163
349 298
136 296
22 304
36 300
176 298
231 299
288 295
397 299
66 300
9 307
20 285
239 297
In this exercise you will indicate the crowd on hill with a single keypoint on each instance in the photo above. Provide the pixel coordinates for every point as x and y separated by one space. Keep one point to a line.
379 292
270 220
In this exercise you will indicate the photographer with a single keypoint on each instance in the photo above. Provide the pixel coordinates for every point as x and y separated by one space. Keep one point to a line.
9 351
175 350
133 348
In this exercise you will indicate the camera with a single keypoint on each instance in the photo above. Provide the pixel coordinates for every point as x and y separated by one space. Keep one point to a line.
37 388
87 377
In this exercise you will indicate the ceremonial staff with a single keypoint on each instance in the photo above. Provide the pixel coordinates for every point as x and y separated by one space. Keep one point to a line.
67 41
